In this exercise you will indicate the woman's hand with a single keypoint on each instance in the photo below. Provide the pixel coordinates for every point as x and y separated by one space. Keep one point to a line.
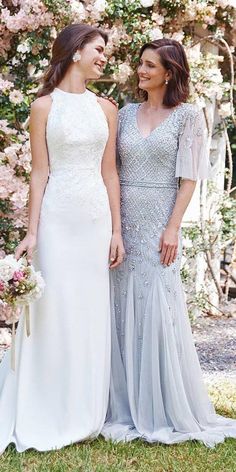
111 99
117 251
168 245
28 245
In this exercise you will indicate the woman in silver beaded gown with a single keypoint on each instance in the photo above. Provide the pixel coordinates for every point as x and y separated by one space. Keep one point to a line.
157 392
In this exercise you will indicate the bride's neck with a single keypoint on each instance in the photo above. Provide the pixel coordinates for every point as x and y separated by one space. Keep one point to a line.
73 82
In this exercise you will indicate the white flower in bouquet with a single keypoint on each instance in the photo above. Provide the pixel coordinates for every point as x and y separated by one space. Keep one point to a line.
9 314
5 310
5 337
8 266
38 284
20 285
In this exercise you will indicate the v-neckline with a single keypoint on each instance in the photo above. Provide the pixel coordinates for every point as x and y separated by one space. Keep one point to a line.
158 126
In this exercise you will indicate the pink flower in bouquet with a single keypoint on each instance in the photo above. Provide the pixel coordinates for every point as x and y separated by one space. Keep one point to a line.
1 286
18 275
9 314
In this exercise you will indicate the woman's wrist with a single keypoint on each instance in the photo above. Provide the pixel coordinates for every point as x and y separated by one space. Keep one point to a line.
116 232
32 233
173 226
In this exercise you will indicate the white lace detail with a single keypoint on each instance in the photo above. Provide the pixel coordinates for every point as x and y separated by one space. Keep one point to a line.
77 132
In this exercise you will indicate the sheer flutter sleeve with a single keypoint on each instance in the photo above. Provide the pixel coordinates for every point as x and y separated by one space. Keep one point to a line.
193 154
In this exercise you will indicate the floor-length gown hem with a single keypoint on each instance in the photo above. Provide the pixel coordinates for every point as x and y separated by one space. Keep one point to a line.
59 391
157 391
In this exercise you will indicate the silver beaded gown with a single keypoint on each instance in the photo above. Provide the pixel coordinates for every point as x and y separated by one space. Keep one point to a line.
156 391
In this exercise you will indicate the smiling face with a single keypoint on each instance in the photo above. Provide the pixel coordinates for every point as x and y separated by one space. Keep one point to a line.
152 75
93 58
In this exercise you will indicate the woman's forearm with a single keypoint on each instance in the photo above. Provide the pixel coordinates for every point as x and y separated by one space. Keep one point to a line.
184 196
37 187
113 190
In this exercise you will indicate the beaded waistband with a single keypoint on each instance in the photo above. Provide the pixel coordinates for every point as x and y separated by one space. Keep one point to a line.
149 184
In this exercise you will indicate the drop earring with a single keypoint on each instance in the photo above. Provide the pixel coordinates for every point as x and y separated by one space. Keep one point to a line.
166 82
76 57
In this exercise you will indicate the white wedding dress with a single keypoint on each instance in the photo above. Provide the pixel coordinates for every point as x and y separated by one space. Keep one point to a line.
58 393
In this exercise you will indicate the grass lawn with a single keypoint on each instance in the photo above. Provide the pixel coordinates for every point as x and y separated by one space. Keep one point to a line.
102 456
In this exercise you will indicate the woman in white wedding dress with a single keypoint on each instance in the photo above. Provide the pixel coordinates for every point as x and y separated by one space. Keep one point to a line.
58 393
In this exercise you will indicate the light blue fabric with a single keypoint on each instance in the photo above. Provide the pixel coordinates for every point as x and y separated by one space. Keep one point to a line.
156 391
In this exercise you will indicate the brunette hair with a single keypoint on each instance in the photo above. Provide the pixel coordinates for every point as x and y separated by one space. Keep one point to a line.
173 58
68 41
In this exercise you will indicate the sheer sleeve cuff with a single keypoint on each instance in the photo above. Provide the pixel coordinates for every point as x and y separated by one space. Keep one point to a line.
193 154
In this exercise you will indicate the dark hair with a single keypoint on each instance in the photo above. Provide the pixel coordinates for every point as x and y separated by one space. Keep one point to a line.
173 59
69 40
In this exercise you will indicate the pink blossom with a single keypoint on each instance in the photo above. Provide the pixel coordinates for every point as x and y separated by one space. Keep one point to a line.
20 218
31 16
5 43
18 275
7 181
1 285
2 252
4 127
8 313
20 196
5 85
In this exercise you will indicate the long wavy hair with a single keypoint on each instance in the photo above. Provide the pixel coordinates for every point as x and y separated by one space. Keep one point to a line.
173 59
68 41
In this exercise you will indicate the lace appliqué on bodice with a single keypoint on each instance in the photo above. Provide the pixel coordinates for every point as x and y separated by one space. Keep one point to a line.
77 132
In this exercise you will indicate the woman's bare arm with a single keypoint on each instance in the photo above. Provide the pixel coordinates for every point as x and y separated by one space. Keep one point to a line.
39 173
169 240
111 180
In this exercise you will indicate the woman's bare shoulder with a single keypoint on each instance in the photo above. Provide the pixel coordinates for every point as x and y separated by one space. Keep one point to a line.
41 105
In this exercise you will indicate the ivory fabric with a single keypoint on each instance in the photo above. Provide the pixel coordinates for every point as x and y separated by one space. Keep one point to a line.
58 393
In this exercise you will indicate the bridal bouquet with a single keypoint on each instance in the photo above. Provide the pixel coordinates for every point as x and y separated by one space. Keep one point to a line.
20 285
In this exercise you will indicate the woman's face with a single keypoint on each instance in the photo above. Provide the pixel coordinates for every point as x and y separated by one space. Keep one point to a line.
93 58
151 73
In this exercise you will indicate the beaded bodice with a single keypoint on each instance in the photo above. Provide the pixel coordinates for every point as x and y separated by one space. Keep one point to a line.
149 172
152 160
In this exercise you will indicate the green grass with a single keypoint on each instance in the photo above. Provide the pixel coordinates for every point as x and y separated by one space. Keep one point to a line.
102 456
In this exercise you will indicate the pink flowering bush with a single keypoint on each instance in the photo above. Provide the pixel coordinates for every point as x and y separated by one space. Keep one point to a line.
27 31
